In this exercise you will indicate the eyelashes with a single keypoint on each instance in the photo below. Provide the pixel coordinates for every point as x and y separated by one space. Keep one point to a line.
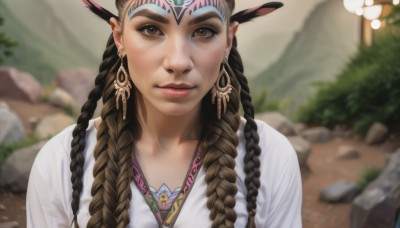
150 31
153 31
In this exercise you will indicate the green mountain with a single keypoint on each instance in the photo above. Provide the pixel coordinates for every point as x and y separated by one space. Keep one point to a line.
318 52
45 41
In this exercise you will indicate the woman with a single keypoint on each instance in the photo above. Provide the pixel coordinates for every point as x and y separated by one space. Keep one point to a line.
170 149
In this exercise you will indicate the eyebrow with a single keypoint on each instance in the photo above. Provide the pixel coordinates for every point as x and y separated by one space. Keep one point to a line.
151 15
204 17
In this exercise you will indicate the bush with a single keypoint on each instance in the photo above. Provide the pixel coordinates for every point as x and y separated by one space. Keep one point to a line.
368 90
6 150
367 176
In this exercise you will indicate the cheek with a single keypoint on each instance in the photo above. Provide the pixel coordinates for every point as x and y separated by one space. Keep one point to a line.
141 56
210 59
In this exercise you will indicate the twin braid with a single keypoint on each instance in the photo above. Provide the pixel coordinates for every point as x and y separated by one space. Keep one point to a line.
112 169
253 150
79 133
219 160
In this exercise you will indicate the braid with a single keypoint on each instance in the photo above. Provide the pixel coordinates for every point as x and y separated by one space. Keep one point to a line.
253 150
219 161
79 133
112 170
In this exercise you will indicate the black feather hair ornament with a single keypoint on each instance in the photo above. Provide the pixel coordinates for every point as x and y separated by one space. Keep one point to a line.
240 17
257 11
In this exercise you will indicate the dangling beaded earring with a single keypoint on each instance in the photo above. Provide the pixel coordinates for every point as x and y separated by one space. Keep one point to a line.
122 86
222 88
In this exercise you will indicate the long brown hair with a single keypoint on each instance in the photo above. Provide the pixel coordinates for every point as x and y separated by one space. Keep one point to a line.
113 172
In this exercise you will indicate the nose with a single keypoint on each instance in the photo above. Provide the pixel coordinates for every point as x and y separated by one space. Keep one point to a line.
178 56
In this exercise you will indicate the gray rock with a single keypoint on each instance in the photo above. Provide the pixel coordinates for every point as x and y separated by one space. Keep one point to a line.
376 133
19 85
51 125
341 191
12 224
379 202
78 83
11 130
299 128
302 148
317 134
14 173
342 132
4 218
278 121
347 153
61 98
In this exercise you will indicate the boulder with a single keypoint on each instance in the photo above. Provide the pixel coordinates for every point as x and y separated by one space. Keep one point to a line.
14 173
317 134
379 202
376 133
61 98
278 121
341 131
51 125
12 129
341 191
77 82
347 153
11 224
302 148
19 85
299 128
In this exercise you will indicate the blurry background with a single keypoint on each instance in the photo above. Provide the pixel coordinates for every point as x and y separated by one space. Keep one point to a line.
325 73
314 37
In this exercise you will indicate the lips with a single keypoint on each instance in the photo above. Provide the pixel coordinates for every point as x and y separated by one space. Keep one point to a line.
176 90
176 86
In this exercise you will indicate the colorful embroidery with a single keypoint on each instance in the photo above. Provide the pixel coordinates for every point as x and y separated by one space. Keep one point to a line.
164 198
165 204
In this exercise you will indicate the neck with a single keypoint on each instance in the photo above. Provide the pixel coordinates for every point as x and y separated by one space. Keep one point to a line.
165 131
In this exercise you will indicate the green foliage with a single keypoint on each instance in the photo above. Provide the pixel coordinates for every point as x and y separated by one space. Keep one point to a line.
367 176
71 112
394 17
368 90
6 44
262 103
6 150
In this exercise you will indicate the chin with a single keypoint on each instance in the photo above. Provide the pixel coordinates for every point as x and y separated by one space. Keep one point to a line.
177 110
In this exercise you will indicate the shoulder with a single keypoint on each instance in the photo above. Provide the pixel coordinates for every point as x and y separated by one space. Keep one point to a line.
280 180
278 160
59 146
52 163
274 146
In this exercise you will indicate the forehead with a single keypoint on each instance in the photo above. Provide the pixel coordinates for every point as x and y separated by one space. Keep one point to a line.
179 7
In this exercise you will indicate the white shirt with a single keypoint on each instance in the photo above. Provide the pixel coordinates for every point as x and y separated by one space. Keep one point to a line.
278 202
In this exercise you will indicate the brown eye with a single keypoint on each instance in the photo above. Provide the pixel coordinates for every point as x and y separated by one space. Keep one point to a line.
204 32
150 30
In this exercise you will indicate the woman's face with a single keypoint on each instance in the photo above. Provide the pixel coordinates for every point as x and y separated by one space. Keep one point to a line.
174 50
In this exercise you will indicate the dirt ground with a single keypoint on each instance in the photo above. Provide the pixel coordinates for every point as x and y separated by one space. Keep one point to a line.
325 169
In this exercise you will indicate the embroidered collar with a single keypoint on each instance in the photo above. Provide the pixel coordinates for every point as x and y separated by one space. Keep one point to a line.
165 214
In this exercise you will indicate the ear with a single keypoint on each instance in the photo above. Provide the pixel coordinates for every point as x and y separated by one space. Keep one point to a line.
117 34
231 33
